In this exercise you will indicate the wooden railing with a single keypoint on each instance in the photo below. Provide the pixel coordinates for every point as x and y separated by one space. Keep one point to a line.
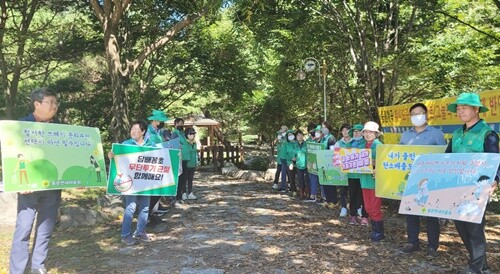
217 155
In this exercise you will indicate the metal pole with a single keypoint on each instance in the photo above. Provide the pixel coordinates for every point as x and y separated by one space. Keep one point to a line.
324 88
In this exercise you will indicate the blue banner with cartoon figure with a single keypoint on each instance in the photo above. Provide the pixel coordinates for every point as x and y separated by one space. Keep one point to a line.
450 185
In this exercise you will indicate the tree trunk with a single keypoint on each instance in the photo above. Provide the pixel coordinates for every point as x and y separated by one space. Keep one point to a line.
120 125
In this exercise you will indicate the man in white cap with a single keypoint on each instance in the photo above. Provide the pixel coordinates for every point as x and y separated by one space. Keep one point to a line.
474 136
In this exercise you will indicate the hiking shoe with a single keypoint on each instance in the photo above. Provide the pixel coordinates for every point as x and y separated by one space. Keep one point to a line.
184 196
343 212
275 186
310 200
410 248
353 220
143 238
320 202
431 252
129 240
191 196
364 221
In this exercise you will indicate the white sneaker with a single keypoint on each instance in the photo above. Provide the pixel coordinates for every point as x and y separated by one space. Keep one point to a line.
275 186
191 196
343 212
184 196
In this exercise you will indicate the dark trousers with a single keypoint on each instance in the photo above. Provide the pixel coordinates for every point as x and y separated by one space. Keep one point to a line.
152 203
277 174
332 196
303 179
291 177
413 229
356 197
185 180
44 206
475 242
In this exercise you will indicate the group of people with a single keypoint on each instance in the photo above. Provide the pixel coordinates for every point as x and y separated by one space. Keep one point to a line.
292 164
474 136
43 206
365 208
149 207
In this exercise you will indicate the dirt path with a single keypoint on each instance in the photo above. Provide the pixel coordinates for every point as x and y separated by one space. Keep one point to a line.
244 227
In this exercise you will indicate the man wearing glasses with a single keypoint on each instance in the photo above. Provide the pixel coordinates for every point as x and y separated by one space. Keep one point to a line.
42 204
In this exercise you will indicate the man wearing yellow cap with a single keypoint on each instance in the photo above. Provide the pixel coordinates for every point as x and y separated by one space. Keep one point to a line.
474 136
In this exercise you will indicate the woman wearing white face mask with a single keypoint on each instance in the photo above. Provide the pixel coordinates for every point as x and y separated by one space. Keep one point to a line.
279 141
289 166
189 162
328 192
356 204
315 137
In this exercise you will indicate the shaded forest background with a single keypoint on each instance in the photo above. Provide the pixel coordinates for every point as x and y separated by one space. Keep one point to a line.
237 61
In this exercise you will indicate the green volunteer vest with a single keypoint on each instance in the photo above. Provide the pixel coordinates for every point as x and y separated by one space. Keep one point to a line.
471 140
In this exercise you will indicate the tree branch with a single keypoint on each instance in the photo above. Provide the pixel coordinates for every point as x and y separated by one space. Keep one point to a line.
188 20
469 25
97 10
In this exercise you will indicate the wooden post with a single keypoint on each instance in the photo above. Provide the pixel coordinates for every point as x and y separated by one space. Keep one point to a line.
214 157
233 159
202 156
221 156
237 148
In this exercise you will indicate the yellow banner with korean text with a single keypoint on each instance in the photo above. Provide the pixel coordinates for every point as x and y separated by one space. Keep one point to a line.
393 164
396 119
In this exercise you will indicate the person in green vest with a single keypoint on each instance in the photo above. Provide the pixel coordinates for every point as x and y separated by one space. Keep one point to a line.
475 136
344 142
154 136
153 132
315 137
328 192
189 163
372 203
287 163
301 165
279 141
178 131
356 204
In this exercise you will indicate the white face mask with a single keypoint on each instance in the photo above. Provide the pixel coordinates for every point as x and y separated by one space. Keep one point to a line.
291 137
317 134
418 120
325 131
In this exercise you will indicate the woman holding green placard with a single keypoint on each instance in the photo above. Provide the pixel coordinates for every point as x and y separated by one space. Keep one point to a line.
133 202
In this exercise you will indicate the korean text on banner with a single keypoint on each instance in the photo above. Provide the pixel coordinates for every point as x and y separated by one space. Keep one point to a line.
355 160
45 156
393 165
450 185
139 170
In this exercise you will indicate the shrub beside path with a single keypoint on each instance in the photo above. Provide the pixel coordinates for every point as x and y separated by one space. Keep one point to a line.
238 226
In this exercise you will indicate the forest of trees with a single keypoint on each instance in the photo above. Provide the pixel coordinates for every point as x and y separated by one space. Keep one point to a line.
237 61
